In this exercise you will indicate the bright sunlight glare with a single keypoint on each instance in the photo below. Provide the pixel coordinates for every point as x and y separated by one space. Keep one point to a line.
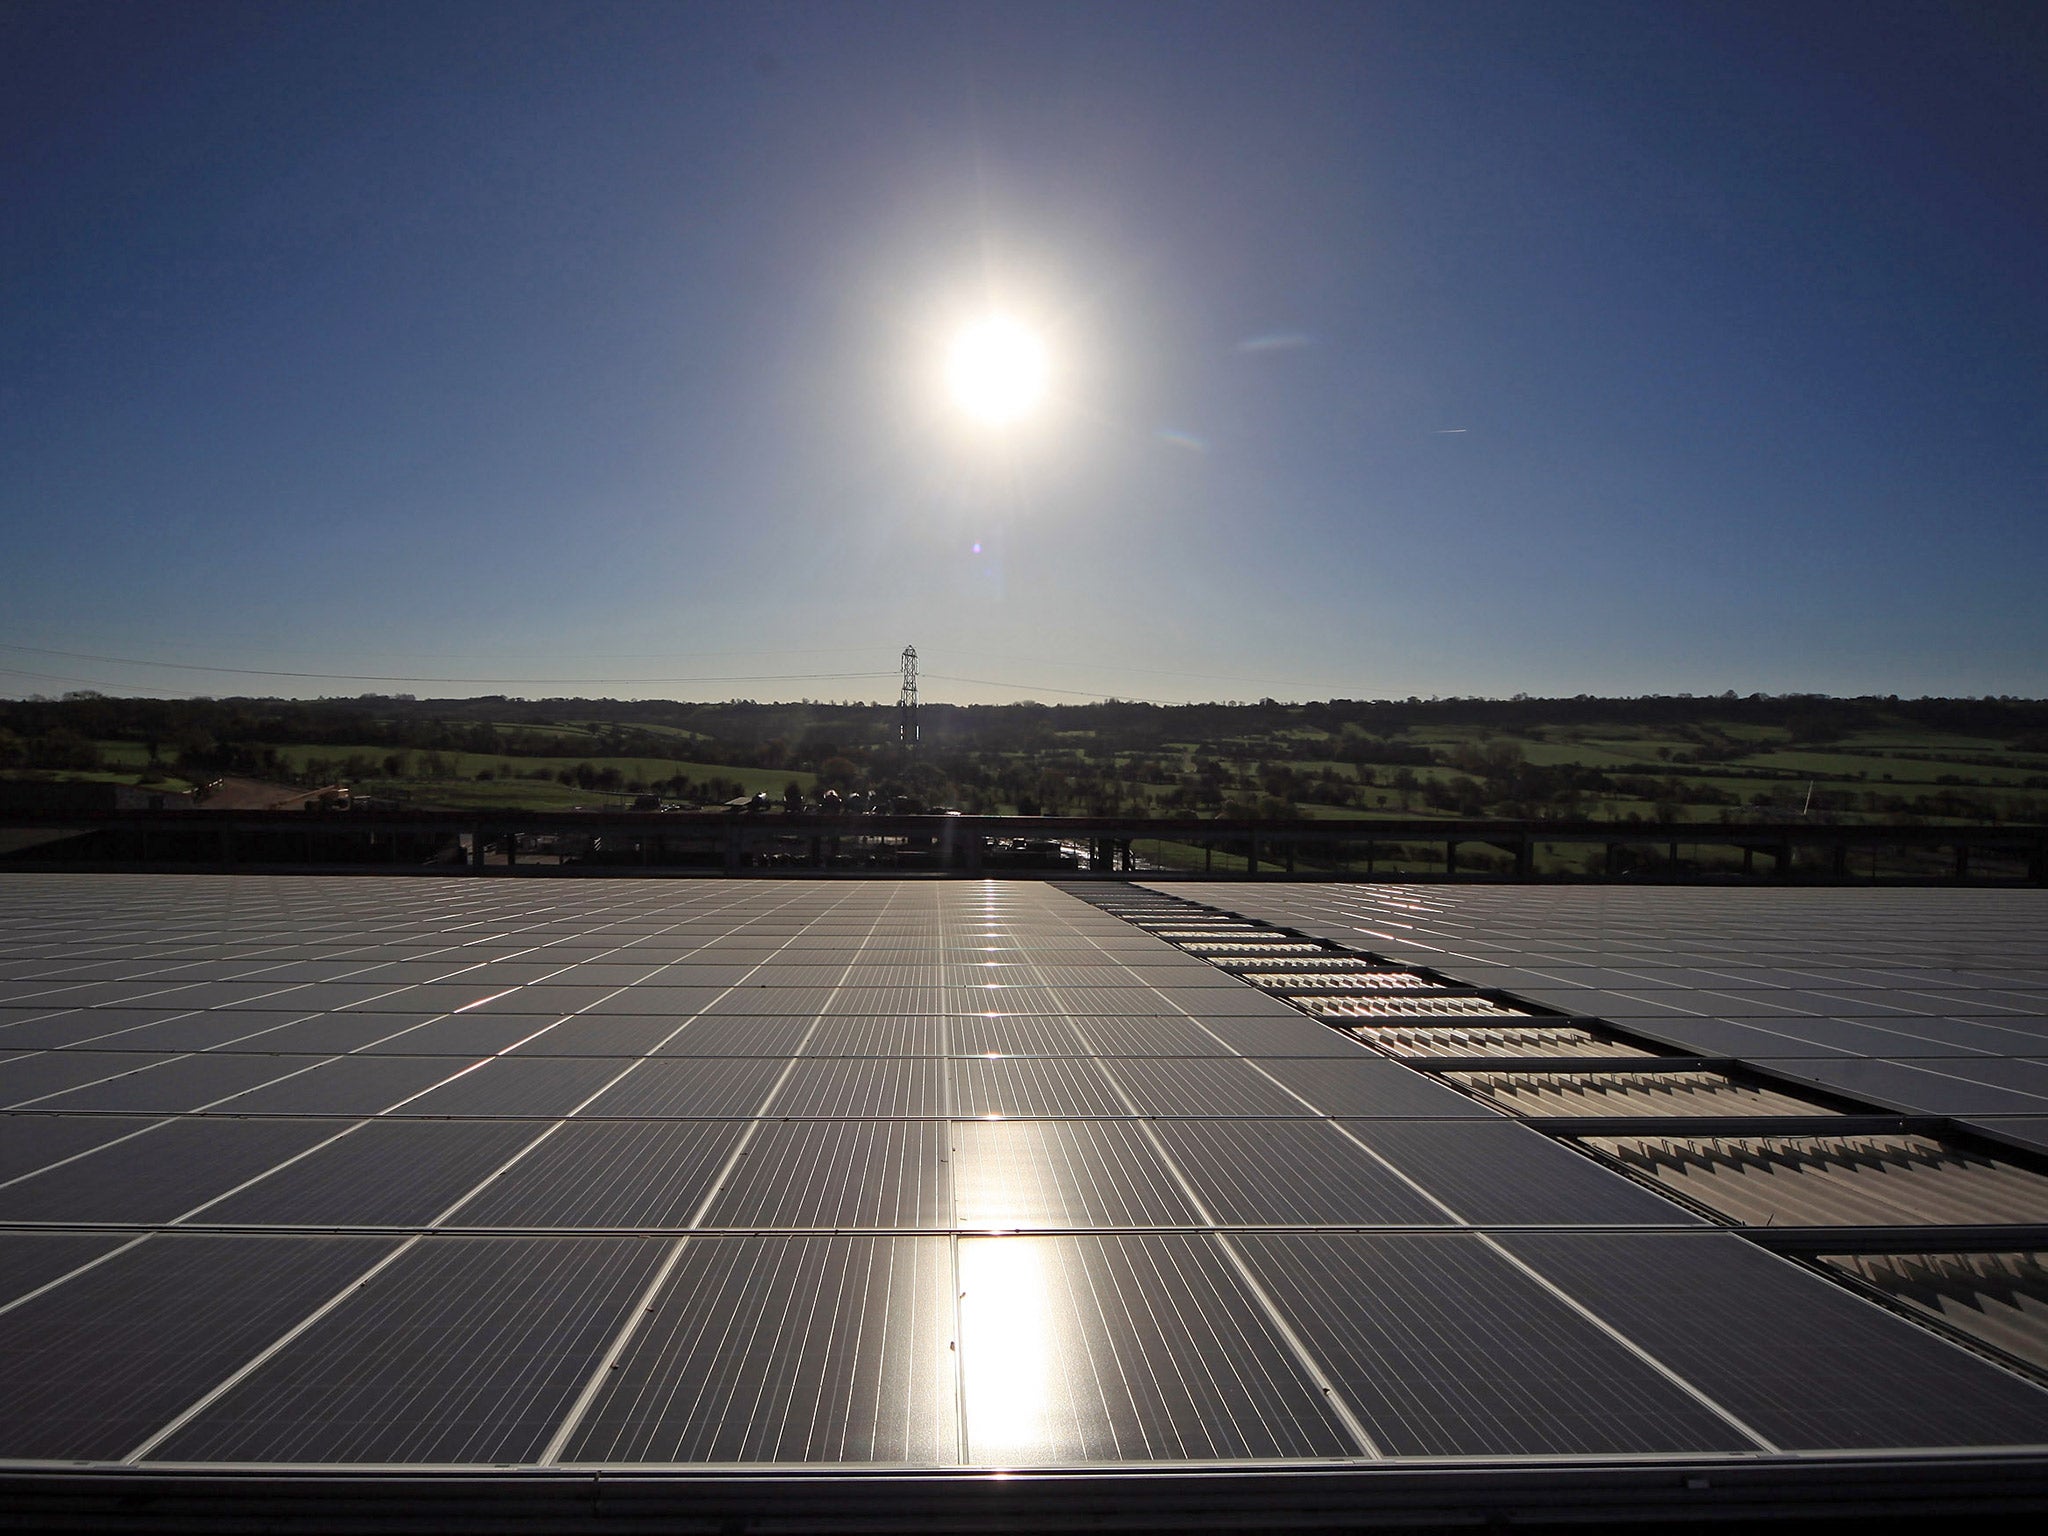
997 371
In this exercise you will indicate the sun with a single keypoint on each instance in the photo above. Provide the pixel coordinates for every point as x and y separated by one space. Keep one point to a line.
997 370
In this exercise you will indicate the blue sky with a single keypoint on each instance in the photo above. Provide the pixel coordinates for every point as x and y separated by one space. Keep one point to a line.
1397 349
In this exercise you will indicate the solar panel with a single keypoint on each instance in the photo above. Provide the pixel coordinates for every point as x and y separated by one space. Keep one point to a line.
516 1085
1803 1361
1129 1348
839 1174
29 1260
160 1174
397 1173
466 1349
699 1086
1443 1348
639 1174
350 1085
1189 1221
1023 1174
854 1333
1032 1086
1289 1173
47 1074
97 1365
32 1141
1998 1299
1362 1086
1201 1086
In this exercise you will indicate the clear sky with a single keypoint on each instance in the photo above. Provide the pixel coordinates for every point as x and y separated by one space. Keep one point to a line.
1391 349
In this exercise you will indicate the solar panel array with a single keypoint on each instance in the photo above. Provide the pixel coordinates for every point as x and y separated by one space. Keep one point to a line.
1931 992
444 1172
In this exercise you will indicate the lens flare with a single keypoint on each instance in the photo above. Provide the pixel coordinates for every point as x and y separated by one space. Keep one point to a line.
997 371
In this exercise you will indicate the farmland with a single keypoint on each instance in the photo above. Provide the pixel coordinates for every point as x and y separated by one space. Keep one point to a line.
1661 759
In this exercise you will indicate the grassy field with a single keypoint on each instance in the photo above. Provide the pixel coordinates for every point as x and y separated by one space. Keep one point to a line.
1702 771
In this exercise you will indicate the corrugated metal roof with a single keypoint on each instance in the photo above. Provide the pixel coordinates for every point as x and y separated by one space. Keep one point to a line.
1828 1181
1341 981
1630 1093
1399 1007
1421 1040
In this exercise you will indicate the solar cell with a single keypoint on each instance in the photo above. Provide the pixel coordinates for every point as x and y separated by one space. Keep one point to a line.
917 1035
186 1082
742 1035
46 1074
32 1141
622 1035
1015 1034
350 1085
1146 1034
1158 1085
463 1034
1362 1086
1999 1299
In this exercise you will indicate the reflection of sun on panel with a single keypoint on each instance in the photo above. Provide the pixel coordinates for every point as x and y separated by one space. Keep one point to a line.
1011 1352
